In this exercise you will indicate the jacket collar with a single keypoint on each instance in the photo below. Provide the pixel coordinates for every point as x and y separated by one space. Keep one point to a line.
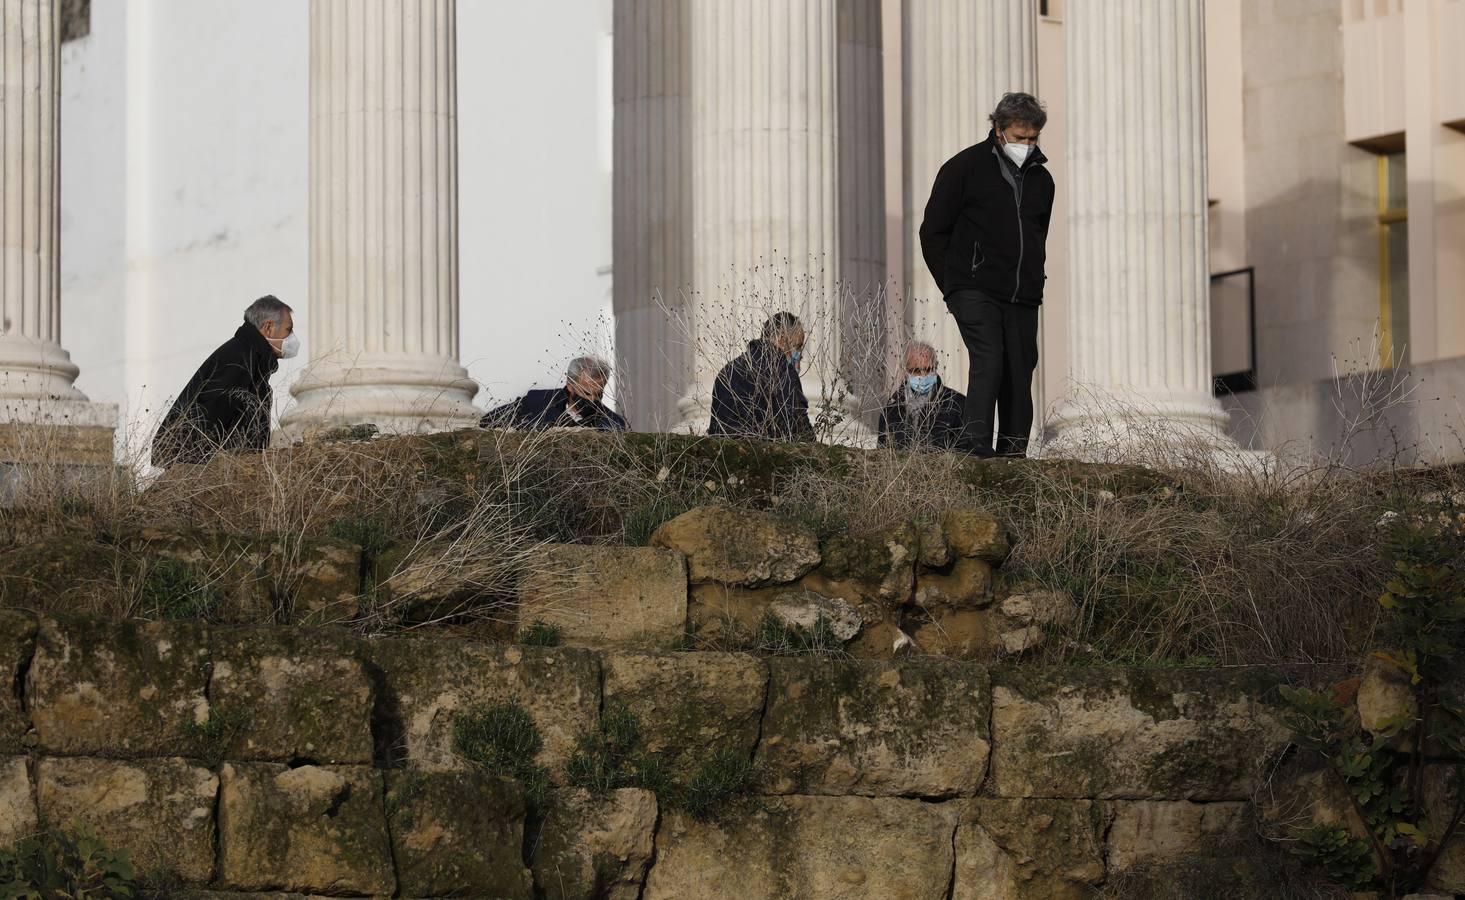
1035 158
258 346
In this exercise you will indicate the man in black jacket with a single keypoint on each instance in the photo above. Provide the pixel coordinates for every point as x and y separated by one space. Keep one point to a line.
226 404
576 405
984 238
923 412
759 394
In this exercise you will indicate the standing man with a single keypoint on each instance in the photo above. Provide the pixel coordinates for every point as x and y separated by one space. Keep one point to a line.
922 412
226 404
984 239
759 394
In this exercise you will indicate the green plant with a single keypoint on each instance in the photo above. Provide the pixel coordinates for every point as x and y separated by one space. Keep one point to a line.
503 740
718 786
540 634
211 739
609 757
174 589
1383 771
54 865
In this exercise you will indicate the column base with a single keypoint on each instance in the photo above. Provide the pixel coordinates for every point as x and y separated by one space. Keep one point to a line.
398 393
1140 427
54 448
37 370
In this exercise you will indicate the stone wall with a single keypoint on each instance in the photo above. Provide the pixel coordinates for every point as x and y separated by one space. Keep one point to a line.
247 760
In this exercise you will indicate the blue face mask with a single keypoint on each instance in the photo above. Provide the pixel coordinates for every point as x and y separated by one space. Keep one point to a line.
794 356
921 384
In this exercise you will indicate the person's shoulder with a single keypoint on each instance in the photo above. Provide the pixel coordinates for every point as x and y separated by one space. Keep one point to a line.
897 398
539 399
951 395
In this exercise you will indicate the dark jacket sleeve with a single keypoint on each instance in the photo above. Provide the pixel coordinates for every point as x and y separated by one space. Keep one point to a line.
890 423
942 211
506 416
228 402
795 409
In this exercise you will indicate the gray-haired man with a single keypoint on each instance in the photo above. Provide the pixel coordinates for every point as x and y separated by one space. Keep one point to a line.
984 238
576 405
226 404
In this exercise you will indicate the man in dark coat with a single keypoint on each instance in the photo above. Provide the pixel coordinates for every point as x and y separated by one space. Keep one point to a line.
984 239
922 412
759 394
226 404
576 405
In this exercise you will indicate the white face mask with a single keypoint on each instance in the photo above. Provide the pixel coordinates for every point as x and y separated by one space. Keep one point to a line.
290 346
1018 153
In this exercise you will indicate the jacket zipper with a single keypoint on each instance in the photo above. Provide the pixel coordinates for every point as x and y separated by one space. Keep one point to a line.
1017 274
977 264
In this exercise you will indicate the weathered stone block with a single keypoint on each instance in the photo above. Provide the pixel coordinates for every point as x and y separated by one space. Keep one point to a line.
298 695
17 801
977 534
808 611
65 572
17 644
909 728
161 811
427 682
740 547
965 584
882 566
596 848
845 847
715 610
126 688
1142 734
438 580
961 634
934 548
1166 830
1040 607
1021 849
608 596
457 834
310 829
1385 696
690 705
322 580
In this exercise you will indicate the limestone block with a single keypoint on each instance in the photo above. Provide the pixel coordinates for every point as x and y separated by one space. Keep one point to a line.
1022 849
690 705
1143 734
608 596
965 584
596 848
110 688
64 572
804 610
963 634
715 610
934 548
322 580
17 801
1384 695
297 694
430 581
882 565
1148 832
1017 640
913 727
853 848
740 547
17 644
309 829
977 534
427 682
457 834
161 811
1039 607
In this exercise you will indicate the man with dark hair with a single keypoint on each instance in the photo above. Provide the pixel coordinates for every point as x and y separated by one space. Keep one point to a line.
984 239
226 404
922 412
759 394
576 405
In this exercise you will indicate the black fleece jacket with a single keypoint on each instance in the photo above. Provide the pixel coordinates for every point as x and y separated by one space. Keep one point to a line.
759 395
986 224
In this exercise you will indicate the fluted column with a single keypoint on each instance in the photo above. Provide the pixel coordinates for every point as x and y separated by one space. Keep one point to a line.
785 164
652 207
959 58
1139 303
383 306
36 375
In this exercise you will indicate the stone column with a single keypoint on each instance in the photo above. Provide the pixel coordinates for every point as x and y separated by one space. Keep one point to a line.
37 377
1139 320
786 187
959 58
383 306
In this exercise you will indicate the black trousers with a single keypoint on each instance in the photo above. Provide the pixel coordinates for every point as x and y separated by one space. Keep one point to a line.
1001 340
